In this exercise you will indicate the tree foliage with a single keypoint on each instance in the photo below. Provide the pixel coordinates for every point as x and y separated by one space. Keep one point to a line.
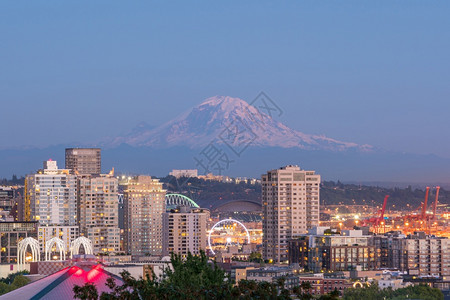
192 278
373 292
13 281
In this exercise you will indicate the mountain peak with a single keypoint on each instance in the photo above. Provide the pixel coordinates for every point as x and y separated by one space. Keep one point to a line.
223 101
207 122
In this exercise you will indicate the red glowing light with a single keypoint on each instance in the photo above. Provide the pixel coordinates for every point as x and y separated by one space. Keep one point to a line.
90 276
93 274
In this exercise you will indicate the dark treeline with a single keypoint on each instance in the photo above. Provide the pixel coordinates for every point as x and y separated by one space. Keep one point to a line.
208 193
211 193
13 181
337 193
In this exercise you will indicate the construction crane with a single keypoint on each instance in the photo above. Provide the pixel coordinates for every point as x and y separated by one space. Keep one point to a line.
377 221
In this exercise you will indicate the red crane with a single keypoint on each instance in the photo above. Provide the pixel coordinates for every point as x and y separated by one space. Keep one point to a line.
422 215
376 221
435 203
424 207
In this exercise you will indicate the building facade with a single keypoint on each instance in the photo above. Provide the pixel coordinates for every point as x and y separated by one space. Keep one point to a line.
426 255
51 196
184 173
329 250
7 201
418 254
326 283
290 205
84 160
184 231
389 250
11 234
298 251
99 211
66 233
144 204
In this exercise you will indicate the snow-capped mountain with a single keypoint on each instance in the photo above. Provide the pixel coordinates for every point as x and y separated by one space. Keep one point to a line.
231 121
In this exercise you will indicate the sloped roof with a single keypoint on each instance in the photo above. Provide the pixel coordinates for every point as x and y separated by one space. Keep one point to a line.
60 285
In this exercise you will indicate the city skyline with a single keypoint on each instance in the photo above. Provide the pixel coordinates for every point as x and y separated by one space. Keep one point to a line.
224 150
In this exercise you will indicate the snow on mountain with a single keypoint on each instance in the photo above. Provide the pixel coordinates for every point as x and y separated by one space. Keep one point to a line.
232 121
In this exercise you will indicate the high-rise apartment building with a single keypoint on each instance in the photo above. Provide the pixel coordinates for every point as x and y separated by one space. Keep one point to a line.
184 230
84 160
144 204
99 212
51 196
290 204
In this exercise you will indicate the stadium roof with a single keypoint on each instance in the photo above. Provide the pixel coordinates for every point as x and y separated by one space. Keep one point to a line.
239 206
60 284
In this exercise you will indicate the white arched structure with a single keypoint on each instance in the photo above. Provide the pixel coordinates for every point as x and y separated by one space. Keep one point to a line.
22 251
76 244
59 245
228 241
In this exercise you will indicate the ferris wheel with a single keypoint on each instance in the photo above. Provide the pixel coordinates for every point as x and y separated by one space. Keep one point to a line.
226 233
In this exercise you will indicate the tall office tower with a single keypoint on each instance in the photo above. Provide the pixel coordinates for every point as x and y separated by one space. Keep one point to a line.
84 160
144 204
184 230
290 198
99 212
51 196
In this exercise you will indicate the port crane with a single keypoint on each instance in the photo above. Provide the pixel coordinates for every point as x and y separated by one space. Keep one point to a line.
377 221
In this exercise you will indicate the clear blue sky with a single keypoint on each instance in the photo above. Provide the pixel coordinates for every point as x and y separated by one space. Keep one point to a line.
373 72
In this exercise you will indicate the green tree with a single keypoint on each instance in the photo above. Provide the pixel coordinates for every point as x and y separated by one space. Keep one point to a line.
20 281
4 288
255 257
373 292
13 281
191 278
86 292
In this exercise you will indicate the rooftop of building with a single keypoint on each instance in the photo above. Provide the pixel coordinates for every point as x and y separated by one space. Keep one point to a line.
327 231
272 269
60 284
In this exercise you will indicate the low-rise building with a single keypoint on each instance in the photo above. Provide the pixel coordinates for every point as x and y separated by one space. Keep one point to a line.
273 274
324 283
323 249
184 173
393 280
